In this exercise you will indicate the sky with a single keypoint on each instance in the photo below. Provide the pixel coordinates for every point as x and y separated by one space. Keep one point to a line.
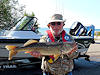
85 11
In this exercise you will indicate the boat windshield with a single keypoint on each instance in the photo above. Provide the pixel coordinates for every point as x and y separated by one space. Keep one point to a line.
26 23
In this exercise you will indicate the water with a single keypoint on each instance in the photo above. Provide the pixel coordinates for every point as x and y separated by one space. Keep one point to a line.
42 30
97 29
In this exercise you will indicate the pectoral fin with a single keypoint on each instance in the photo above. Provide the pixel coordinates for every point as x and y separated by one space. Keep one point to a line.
56 56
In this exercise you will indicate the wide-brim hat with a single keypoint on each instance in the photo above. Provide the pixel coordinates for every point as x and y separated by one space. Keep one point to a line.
56 18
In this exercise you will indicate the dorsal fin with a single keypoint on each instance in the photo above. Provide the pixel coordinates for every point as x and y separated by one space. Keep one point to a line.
30 42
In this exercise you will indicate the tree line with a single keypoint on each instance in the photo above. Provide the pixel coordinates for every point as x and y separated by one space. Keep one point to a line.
10 12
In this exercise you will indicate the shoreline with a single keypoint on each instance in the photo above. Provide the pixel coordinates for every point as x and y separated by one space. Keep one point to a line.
96 37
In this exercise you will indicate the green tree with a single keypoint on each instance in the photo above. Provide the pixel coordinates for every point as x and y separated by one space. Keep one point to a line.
31 15
10 11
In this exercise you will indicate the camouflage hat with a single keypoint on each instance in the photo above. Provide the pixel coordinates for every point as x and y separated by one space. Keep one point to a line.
56 18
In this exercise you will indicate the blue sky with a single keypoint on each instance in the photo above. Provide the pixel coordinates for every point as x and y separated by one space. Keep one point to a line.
85 11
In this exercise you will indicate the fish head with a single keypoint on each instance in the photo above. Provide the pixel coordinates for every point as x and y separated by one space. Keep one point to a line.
70 47
67 46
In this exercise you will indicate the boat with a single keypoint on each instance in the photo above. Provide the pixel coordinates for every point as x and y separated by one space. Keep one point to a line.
22 31
83 36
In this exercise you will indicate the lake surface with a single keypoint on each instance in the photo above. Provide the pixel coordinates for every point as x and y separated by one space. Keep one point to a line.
42 30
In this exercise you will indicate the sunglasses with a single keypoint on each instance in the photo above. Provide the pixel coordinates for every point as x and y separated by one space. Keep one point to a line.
54 23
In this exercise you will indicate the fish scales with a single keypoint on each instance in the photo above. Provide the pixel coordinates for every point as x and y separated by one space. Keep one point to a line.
41 45
44 44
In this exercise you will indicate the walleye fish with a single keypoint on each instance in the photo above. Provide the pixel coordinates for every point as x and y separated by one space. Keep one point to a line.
47 48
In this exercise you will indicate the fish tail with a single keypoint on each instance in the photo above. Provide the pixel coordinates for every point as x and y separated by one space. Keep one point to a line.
12 51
